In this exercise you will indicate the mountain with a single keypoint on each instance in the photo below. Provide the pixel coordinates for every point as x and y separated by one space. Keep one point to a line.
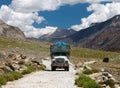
10 31
57 35
103 36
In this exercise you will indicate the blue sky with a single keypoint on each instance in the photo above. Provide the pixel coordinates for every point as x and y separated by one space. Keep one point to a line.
5 2
65 16
38 17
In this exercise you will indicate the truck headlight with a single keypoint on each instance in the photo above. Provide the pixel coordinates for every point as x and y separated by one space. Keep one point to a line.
53 61
66 61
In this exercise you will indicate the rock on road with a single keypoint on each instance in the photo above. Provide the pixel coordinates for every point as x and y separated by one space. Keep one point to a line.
45 79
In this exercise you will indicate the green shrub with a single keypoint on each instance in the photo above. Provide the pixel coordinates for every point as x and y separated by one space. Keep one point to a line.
77 73
3 80
9 77
110 83
16 75
86 82
91 84
26 72
29 70
87 71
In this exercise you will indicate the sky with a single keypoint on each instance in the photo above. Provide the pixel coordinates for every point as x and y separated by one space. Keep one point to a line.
38 17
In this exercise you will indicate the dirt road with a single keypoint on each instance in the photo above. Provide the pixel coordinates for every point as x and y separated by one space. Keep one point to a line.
45 79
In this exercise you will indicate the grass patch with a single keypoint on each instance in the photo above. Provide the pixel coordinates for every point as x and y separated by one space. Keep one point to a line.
110 83
93 54
16 75
86 82
24 46
4 78
88 71
32 69
29 69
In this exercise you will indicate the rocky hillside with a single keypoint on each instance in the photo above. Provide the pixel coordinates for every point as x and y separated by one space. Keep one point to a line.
10 31
15 54
105 36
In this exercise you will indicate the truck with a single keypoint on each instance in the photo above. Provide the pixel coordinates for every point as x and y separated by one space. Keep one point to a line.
60 53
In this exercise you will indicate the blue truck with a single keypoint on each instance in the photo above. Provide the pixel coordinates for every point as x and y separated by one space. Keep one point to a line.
60 53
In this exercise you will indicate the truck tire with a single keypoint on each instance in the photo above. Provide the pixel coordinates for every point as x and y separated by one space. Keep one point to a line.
66 68
53 68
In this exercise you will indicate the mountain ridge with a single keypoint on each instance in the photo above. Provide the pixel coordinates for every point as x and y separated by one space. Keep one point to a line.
10 31
57 35
101 36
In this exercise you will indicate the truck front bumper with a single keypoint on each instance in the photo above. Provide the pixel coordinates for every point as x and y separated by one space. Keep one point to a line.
60 65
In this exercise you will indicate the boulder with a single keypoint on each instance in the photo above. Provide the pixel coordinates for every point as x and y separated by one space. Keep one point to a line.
22 68
108 75
106 60
1 71
11 56
21 62
37 61
80 64
16 67
108 86
8 69
23 56
87 67
27 60
89 62
117 86
2 64
2 55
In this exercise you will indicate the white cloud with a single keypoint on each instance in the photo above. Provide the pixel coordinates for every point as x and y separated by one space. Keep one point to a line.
36 33
72 2
19 19
100 13
34 5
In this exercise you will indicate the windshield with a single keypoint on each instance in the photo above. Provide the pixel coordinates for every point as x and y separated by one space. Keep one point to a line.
59 54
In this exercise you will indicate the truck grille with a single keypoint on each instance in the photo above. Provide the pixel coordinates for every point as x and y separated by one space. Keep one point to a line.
60 60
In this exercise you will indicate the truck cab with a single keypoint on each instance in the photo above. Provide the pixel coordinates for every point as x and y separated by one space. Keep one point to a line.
60 62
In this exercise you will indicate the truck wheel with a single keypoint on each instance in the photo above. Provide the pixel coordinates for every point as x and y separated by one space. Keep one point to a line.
67 69
53 68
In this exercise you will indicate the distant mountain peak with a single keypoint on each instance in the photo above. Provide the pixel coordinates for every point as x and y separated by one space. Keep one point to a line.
56 35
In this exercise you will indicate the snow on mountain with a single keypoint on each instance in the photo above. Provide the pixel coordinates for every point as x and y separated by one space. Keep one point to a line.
48 30
40 32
